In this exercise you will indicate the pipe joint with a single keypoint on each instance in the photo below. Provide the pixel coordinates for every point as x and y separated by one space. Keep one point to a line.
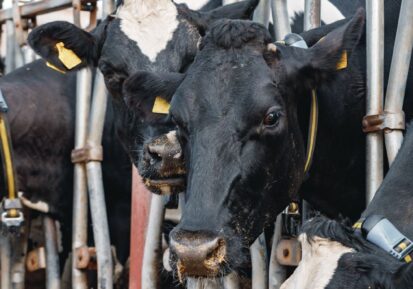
385 121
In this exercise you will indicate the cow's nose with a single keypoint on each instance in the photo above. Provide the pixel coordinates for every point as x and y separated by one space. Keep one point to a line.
198 253
165 148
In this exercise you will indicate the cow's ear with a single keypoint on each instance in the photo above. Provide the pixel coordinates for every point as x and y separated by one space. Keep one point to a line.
331 53
64 45
203 20
153 89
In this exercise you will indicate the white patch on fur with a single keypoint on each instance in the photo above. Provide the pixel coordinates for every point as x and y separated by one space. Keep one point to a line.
329 12
318 264
193 4
150 23
39 206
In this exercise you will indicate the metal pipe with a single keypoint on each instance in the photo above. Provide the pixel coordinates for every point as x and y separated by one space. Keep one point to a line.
280 18
259 263
80 196
375 56
277 272
5 262
95 186
10 47
108 8
312 18
152 251
52 255
76 12
398 75
262 13
231 281
19 258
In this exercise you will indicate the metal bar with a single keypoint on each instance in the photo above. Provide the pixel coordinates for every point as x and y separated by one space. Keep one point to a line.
398 75
152 251
259 263
35 8
52 255
76 12
95 186
312 13
19 256
280 18
141 200
10 47
80 196
231 281
262 13
277 272
5 262
375 56
108 8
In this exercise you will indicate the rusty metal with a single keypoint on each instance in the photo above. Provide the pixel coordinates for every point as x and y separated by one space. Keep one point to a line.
289 252
85 258
87 154
383 121
36 259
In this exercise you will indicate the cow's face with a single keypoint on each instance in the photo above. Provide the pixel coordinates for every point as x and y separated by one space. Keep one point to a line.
142 35
236 113
334 258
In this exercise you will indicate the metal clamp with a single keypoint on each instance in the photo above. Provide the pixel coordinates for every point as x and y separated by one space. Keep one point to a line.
87 154
12 217
384 121
85 258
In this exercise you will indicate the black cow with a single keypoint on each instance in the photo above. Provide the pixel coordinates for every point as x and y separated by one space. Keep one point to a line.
242 112
126 43
333 255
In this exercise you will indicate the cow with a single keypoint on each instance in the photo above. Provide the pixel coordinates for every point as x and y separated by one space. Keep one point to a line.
242 113
333 254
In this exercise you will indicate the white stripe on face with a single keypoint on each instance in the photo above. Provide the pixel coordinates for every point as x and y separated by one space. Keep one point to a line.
318 265
151 24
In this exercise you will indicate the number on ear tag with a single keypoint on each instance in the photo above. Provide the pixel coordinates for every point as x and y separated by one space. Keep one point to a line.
67 56
160 106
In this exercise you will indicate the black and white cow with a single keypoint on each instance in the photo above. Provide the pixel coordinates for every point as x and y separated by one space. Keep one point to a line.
333 256
242 114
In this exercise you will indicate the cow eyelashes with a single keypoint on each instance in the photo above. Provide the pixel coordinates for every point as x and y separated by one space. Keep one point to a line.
272 117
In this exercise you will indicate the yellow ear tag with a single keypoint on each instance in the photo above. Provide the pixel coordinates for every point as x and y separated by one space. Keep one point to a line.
160 105
343 61
67 56
48 64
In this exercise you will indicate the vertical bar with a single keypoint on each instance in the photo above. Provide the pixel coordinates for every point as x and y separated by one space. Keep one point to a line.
312 17
398 75
108 7
280 18
259 263
375 56
277 272
141 199
76 12
80 196
231 281
52 255
152 251
262 13
10 47
95 187
5 260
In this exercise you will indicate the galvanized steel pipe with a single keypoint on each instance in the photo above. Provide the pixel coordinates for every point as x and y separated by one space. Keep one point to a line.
259 263
262 13
312 18
80 196
375 56
95 186
398 75
280 18
10 47
5 260
52 255
152 252
277 272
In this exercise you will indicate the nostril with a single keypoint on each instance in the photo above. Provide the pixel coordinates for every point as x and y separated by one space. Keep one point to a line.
153 153
217 254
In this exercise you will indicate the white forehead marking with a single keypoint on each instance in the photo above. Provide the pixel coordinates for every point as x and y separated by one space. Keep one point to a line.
150 23
318 264
329 12
193 4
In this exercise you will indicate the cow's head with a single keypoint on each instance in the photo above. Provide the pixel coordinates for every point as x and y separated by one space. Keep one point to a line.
141 35
334 258
236 114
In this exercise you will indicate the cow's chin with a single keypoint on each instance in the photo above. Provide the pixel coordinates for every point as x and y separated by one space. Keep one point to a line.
168 185
231 280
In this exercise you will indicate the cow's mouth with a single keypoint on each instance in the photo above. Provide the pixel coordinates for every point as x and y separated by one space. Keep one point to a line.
170 185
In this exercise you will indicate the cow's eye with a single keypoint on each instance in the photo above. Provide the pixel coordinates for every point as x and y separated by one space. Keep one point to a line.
271 118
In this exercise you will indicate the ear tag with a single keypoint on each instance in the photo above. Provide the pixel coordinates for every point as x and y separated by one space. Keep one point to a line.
160 106
48 64
67 56
343 61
